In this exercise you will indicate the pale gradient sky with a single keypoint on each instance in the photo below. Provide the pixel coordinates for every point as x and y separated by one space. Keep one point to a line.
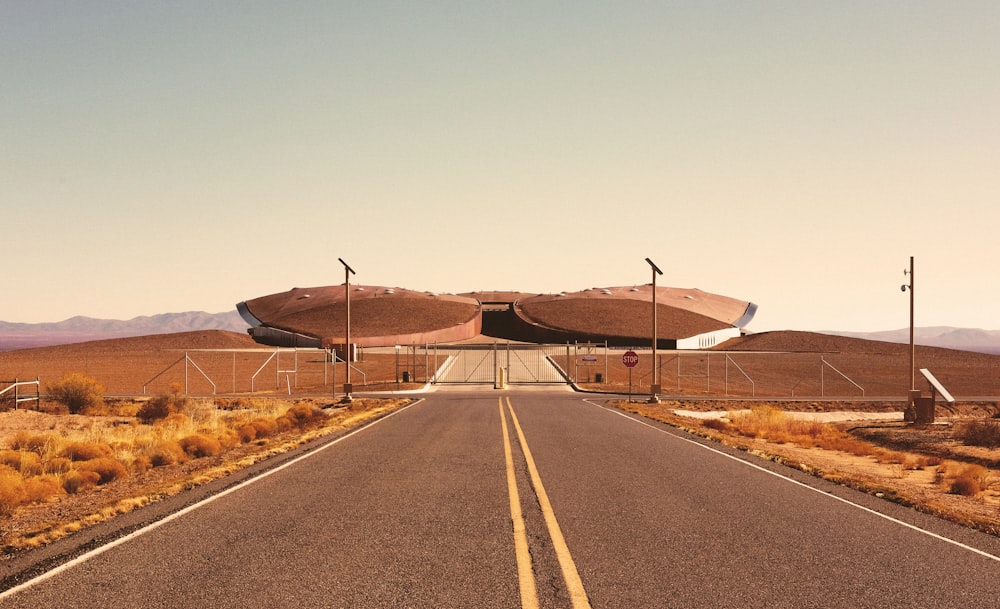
185 155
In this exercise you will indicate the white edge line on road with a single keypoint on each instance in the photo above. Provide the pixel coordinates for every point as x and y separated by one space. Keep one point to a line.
803 485
170 518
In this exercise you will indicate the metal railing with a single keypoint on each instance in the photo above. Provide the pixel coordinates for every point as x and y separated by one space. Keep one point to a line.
16 385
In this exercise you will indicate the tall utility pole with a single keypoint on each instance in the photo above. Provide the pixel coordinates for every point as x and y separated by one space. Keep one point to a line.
913 349
655 388
913 370
348 271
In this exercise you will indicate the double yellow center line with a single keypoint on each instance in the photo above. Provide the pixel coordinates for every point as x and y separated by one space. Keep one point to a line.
525 572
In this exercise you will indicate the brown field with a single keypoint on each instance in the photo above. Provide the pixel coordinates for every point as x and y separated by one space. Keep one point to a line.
790 365
148 365
931 468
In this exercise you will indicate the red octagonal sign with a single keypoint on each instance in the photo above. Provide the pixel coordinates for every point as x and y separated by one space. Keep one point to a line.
630 359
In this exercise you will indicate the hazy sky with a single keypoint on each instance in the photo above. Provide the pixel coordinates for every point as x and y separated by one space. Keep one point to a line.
186 155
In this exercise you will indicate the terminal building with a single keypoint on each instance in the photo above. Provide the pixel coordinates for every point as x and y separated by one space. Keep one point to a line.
383 317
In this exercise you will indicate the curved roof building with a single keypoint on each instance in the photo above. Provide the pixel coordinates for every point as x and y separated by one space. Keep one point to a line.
622 316
380 316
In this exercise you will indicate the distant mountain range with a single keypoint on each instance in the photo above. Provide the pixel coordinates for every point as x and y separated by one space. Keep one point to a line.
83 329
964 339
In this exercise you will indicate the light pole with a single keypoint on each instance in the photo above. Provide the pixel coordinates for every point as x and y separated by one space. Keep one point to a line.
913 372
348 271
655 388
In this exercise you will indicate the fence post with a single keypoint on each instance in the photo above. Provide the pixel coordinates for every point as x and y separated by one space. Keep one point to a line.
605 361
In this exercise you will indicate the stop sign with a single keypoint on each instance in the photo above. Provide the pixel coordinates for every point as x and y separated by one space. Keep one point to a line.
630 359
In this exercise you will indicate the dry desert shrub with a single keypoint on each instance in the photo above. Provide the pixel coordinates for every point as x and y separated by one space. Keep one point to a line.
918 462
37 443
58 465
42 488
40 466
161 406
769 423
11 458
176 422
717 424
200 445
970 481
78 392
303 412
25 462
167 452
247 433
141 464
12 492
227 437
107 469
980 432
260 427
233 403
85 451
76 481
834 439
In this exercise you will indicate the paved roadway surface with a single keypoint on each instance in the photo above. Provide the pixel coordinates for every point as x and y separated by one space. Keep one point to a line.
421 509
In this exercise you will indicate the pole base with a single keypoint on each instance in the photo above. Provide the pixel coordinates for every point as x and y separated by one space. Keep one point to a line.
653 391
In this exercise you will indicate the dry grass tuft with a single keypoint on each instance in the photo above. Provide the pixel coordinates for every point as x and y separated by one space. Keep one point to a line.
12 493
27 463
980 432
37 443
38 489
717 424
772 424
162 406
167 452
107 469
85 451
200 445
78 481
258 428
970 481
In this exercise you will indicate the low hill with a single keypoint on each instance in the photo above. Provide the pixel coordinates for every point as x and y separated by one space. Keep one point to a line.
967 339
128 365
82 329
882 368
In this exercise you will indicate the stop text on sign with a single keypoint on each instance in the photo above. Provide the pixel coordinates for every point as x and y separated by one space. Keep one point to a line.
630 359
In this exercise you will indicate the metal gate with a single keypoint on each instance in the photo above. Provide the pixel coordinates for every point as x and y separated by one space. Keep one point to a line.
488 364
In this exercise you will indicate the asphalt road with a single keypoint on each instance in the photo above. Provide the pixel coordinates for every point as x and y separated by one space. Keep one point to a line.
595 509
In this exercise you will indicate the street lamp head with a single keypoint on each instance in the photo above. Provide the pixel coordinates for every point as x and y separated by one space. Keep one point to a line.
347 266
902 288
656 269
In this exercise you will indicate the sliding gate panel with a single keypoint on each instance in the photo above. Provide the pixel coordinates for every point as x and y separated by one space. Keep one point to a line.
480 364
530 364
473 364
